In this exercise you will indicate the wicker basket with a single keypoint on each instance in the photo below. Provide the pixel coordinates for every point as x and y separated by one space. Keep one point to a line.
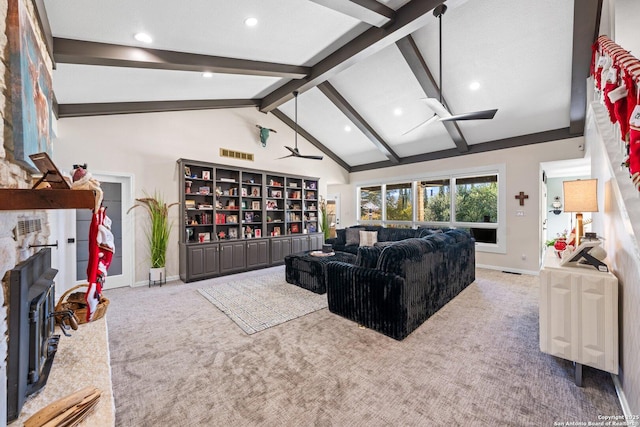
76 302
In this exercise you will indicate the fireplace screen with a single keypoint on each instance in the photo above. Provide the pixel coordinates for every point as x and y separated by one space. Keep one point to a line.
32 343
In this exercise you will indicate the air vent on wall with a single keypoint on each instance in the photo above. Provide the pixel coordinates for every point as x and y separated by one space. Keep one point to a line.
27 226
224 152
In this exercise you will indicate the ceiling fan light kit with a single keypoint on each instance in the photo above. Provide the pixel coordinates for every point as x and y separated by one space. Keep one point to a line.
438 107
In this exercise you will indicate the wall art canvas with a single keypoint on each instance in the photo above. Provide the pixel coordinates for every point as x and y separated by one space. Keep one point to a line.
31 89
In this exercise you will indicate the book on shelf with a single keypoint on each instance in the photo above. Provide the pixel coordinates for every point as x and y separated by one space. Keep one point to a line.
226 180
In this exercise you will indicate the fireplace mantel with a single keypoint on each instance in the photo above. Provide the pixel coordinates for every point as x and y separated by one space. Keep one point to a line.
25 199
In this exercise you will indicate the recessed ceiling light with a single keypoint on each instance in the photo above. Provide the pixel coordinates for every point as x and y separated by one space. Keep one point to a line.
251 22
347 128
474 86
397 112
143 37
207 74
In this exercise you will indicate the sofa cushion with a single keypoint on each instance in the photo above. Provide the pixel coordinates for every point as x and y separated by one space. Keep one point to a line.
368 238
368 256
352 235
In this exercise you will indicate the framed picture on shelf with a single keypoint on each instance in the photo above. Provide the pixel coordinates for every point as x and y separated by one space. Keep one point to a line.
255 191
312 185
276 194
232 219
258 232
248 217
276 231
244 192
233 233
187 171
295 228
190 204
272 205
255 205
231 203
203 237
206 175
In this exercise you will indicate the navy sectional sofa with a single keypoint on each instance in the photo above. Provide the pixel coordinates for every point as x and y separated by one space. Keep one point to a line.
394 288
342 243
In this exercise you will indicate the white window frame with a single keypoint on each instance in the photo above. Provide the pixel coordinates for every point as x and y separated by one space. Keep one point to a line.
500 225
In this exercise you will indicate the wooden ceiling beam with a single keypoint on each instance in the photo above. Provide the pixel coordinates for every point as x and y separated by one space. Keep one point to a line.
420 70
368 11
111 108
500 144
409 18
70 51
586 25
306 135
338 100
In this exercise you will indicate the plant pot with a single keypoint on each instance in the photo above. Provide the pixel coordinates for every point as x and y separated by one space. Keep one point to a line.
157 274
560 244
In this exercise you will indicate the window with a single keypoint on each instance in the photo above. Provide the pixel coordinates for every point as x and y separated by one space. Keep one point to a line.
470 200
399 202
371 203
477 199
434 200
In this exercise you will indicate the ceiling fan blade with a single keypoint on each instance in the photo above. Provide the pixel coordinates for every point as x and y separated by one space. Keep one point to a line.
310 157
426 122
437 107
284 157
476 115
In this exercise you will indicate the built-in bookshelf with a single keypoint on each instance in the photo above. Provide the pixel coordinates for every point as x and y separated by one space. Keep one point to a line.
229 211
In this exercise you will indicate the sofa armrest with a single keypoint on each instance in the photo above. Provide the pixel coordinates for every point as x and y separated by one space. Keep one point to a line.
369 297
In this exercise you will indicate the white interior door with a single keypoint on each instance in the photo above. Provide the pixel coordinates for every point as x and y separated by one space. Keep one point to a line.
117 199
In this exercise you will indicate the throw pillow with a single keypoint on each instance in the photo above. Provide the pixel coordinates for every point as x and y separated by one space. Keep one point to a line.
368 238
353 236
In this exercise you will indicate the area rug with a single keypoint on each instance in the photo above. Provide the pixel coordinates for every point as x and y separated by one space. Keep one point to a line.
258 303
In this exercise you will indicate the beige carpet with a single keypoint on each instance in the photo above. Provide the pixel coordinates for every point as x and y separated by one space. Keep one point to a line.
178 361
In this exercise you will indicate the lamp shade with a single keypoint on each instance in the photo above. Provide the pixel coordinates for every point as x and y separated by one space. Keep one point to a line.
581 195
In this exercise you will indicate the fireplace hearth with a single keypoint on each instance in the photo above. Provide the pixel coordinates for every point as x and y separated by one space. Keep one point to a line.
32 343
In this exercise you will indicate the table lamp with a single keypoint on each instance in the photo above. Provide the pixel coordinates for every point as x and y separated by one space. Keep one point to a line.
580 196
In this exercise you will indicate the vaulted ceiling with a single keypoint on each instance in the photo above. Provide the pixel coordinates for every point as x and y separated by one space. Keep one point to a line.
361 67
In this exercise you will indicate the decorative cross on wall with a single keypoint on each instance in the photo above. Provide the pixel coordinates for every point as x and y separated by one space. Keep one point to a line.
521 197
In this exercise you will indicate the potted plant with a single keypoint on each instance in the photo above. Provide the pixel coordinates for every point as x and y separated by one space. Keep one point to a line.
324 218
157 233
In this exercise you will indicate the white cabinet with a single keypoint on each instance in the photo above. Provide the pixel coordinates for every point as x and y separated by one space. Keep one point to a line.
579 315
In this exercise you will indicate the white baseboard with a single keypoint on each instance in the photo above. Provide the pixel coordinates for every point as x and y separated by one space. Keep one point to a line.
626 409
509 269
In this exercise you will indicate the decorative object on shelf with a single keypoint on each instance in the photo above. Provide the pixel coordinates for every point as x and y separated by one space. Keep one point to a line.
560 244
264 134
159 228
294 151
204 191
206 175
580 196
187 186
556 205
190 204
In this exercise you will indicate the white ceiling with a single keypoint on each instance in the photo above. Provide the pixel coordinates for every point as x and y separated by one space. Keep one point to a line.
519 51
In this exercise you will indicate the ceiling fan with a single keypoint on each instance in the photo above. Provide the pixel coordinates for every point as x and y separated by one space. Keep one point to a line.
294 151
441 114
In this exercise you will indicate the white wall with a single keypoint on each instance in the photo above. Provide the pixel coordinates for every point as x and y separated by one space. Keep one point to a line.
148 145
619 224
522 170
